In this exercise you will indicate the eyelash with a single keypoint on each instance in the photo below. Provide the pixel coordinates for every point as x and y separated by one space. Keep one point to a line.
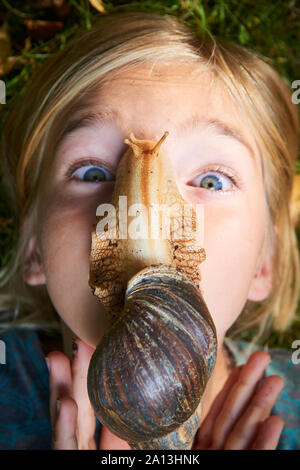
85 162
216 169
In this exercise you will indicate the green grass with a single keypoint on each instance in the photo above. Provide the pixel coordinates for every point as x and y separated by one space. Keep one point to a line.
269 27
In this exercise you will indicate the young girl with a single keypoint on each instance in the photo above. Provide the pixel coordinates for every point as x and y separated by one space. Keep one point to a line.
233 146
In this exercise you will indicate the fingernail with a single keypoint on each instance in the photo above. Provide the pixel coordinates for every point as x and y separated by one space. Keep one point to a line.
48 363
74 347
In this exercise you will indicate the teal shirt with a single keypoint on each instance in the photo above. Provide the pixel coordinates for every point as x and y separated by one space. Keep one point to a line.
24 392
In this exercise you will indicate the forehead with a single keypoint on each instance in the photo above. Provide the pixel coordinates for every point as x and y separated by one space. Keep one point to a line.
165 91
151 98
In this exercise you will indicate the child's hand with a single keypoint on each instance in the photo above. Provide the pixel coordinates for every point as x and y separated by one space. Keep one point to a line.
74 424
239 417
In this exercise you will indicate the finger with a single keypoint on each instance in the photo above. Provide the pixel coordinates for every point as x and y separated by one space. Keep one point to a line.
239 397
256 413
64 435
60 381
204 435
86 421
269 434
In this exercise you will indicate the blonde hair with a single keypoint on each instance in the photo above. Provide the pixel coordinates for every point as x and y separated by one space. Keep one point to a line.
69 81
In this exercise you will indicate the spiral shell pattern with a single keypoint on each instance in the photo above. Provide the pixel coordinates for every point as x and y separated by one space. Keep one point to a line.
149 371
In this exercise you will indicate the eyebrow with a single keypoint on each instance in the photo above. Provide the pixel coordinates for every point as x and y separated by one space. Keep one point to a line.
112 116
221 128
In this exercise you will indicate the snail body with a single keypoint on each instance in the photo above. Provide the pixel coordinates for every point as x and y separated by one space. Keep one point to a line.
149 371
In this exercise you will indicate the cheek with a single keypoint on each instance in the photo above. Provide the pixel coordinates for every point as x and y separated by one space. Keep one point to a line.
233 239
65 240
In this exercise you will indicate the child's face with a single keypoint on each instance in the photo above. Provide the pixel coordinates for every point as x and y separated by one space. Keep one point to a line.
148 104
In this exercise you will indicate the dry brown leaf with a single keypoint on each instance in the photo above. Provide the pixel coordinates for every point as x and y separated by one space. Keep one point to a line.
39 29
41 3
61 7
5 42
295 205
98 5
58 3
6 65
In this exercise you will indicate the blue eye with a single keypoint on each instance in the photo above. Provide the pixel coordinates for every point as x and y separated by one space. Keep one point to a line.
214 181
91 174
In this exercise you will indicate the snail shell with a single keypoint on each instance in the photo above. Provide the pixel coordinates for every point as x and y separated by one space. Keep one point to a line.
149 371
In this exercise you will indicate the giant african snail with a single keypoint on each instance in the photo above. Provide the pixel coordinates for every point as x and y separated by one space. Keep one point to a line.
148 373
